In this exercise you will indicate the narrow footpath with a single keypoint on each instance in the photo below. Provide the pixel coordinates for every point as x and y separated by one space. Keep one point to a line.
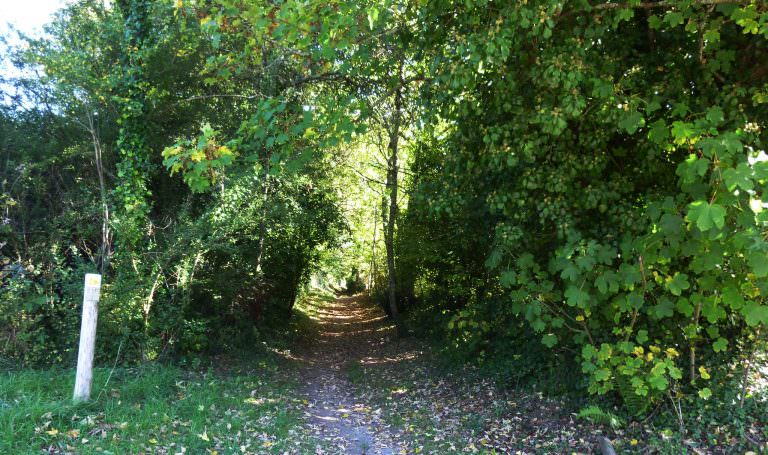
351 332
369 391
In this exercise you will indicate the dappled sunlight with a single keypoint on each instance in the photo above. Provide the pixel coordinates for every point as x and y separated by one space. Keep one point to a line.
385 328
403 357
354 318
260 401
289 355
353 322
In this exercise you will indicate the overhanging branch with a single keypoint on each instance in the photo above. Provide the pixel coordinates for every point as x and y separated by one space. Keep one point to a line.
667 4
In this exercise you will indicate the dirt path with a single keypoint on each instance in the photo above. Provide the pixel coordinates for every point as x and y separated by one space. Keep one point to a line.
371 392
352 331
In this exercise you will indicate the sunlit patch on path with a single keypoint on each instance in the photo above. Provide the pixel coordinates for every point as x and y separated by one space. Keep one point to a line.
350 332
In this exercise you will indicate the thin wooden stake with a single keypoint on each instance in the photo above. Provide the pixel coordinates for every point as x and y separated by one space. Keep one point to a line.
84 376
606 448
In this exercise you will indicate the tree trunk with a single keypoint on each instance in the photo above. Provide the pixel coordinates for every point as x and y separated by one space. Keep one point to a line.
372 271
391 186
263 220
105 246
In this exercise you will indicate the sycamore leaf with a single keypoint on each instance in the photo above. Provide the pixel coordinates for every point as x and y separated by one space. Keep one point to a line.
576 297
677 283
706 215
715 115
758 261
632 122
549 340
756 314
721 344
738 177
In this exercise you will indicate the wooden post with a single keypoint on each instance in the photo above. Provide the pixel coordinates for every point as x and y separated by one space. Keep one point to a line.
84 375
606 448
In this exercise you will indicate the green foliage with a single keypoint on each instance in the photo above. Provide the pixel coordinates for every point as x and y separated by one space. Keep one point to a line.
42 258
191 267
635 403
618 209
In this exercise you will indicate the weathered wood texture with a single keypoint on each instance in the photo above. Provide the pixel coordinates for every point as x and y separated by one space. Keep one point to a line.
606 448
84 376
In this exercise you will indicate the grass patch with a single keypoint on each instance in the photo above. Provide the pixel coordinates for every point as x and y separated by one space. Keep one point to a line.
155 409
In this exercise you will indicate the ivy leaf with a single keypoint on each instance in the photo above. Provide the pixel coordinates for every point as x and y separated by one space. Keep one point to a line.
706 216
705 393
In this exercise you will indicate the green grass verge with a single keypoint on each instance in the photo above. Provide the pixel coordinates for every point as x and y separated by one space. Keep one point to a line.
247 408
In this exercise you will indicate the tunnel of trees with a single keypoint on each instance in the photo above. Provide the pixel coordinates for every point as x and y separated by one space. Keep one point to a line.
588 175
